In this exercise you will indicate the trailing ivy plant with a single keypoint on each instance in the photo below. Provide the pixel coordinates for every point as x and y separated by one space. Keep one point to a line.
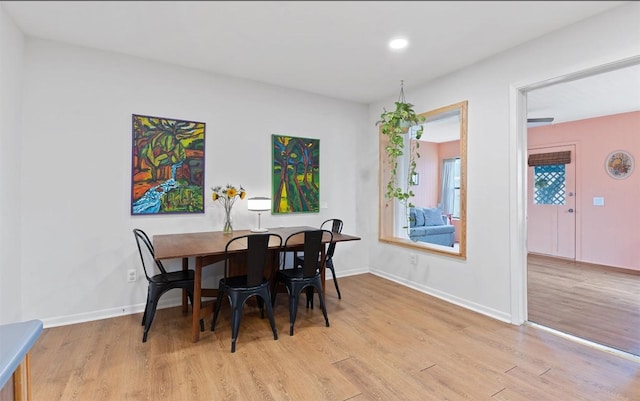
396 125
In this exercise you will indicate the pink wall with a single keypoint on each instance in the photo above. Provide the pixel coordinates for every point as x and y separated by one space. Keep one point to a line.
449 150
609 234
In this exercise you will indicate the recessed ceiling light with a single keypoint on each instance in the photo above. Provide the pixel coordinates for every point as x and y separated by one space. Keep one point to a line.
399 43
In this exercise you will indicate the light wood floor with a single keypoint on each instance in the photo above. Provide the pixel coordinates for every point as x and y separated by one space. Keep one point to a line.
597 303
386 342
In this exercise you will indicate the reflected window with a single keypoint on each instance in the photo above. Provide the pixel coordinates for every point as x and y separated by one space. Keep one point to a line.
450 193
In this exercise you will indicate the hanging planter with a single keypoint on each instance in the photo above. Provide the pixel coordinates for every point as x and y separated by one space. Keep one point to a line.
396 126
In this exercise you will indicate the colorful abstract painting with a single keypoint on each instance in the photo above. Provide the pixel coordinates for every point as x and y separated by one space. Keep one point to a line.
296 175
167 172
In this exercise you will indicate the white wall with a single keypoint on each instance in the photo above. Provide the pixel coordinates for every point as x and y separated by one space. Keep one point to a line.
11 64
76 169
483 282
75 154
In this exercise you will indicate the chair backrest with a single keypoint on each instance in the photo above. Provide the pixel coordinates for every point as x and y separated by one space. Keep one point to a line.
336 227
257 252
312 249
145 248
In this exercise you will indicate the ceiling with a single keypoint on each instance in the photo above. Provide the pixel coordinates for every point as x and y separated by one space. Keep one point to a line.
331 48
611 92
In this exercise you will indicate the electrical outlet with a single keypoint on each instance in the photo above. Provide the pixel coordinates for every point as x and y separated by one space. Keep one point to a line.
413 259
131 275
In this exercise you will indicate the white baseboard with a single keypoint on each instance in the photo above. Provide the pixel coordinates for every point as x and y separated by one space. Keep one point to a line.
496 314
346 273
165 302
168 302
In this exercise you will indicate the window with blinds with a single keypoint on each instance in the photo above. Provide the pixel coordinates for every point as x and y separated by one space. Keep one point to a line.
545 159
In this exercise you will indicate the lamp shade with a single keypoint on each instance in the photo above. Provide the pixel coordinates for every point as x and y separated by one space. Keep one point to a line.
259 204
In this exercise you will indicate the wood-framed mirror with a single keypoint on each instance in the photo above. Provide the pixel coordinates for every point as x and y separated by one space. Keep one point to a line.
438 221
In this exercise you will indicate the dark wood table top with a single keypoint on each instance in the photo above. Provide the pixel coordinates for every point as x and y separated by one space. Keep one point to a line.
208 243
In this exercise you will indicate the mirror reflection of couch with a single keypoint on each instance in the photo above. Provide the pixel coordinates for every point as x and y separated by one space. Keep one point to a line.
430 225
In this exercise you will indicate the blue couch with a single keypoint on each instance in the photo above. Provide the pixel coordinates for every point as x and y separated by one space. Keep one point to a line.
430 225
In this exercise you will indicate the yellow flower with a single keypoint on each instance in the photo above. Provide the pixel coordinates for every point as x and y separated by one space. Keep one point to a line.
227 195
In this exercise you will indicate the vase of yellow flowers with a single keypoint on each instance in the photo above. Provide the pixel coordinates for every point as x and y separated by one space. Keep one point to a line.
227 196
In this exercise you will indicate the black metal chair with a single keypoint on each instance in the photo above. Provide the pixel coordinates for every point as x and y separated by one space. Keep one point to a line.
161 282
336 227
308 277
240 288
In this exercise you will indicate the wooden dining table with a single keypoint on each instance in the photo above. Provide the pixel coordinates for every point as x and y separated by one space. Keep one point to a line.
208 248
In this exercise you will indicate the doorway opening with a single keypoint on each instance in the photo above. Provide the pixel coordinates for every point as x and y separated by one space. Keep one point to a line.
526 184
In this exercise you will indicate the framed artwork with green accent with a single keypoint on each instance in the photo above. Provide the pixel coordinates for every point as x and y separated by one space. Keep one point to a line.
167 167
295 175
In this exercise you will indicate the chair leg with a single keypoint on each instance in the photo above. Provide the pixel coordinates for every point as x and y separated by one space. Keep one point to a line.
273 295
335 280
309 292
293 308
260 302
265 296
152 303
217 310
318 285
236 315
144 315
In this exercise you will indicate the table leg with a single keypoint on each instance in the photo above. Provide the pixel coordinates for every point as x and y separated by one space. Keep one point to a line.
324 268
185 298
21 383
27 362
197 301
